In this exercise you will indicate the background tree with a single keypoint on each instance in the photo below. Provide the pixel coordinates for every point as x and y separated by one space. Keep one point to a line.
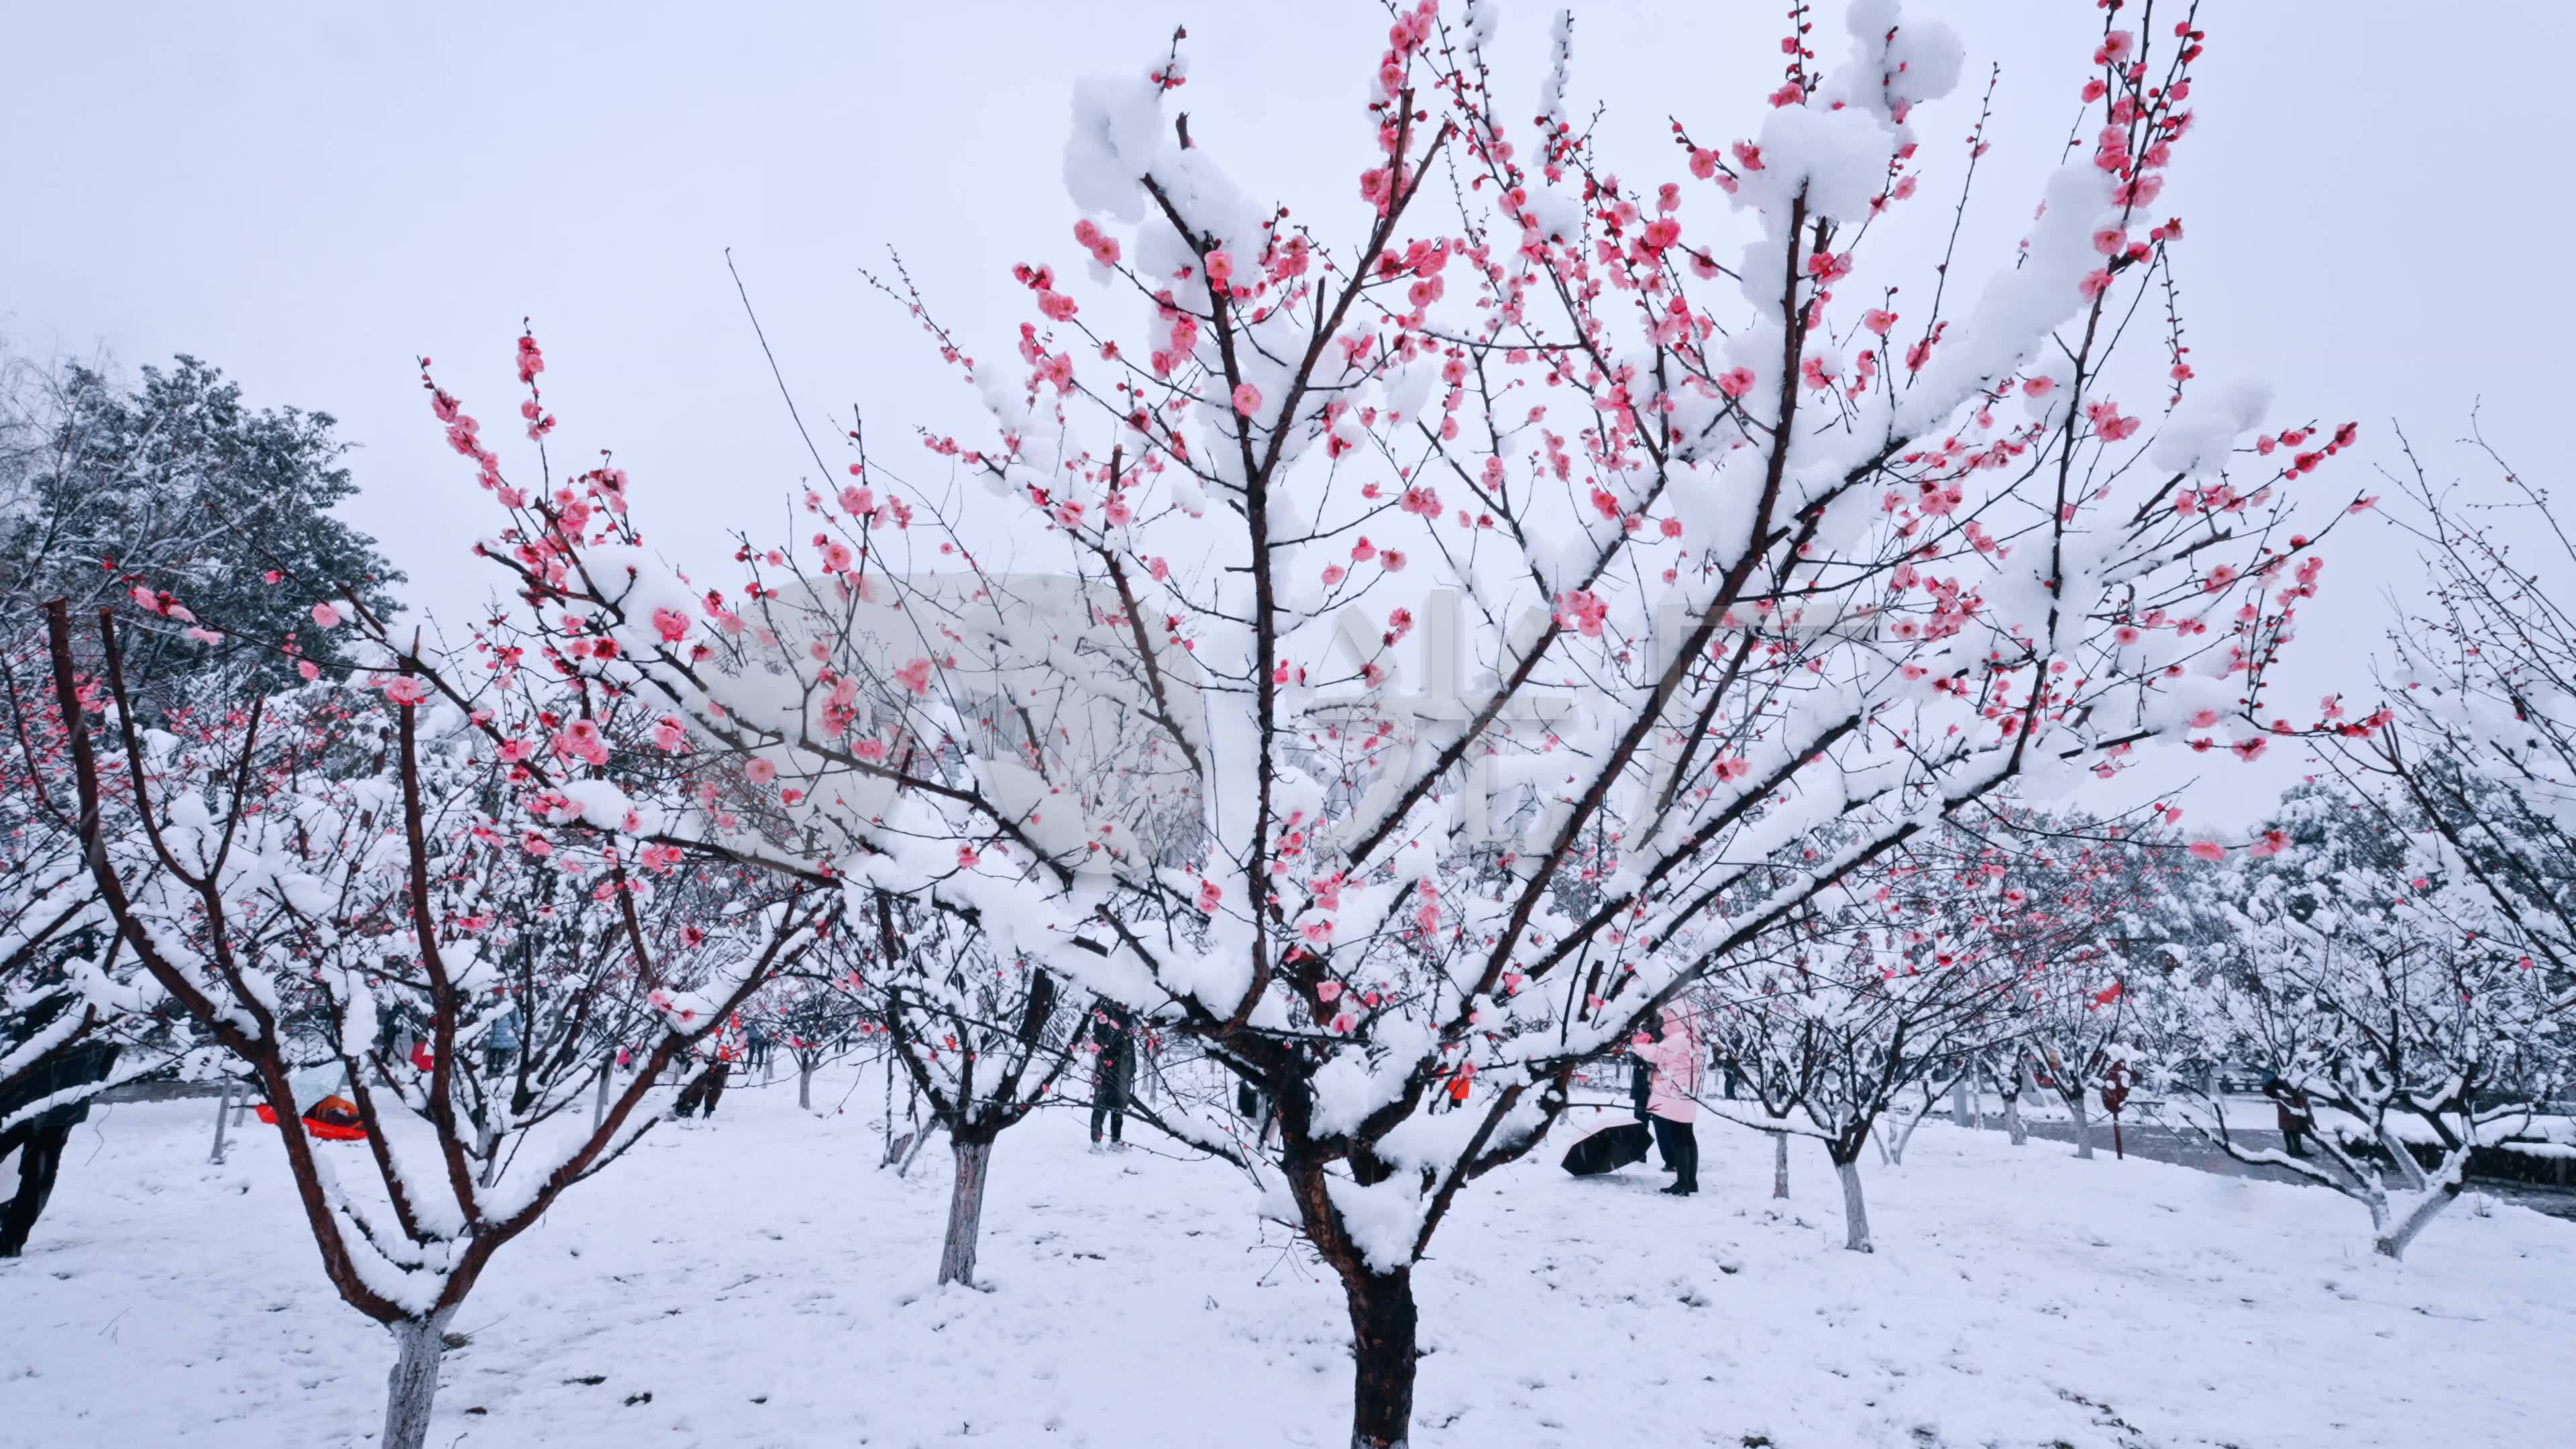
334 858
2478 734
984 1036
2072 906
171 483
2373 973
814 1017
175 486
1860 1000
78 1016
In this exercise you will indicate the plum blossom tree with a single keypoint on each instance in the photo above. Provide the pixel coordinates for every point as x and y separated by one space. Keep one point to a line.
983 1037
368 862
2478 737
2070 905
814 1017
1866 995
57 991
77 1017
2373 972
1473 597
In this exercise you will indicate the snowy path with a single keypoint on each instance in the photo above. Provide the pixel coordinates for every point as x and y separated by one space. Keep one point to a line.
764 1284
2164 1140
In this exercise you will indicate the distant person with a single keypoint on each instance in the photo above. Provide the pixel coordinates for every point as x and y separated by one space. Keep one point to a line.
501 1042
1672 1098
1641 1074
2298 1121
1254 1106
701 1094
1113 1069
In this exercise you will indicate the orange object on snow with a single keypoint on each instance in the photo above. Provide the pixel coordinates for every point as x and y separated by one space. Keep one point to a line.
333 1119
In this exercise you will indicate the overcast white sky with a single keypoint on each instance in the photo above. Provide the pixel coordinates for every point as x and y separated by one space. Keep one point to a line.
311 195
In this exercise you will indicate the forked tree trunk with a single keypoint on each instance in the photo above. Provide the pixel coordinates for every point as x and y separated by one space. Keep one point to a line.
413 1385
2083 1126
1895 1157
2014 1128
2394 1225
1855 1208
1383 1357
1780 1165
965 1211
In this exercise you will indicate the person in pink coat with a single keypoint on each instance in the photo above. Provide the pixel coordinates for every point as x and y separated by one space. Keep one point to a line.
1671 1099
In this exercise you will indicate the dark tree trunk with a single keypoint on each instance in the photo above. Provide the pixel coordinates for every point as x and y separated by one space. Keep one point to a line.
1383 1355
686 1104
40 1154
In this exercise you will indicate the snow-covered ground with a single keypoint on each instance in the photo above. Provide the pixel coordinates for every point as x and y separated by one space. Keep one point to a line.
758 1281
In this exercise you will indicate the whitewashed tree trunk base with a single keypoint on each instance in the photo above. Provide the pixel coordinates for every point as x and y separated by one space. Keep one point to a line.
2395 1226
222 1106
412 1387
965 1212
1855 1209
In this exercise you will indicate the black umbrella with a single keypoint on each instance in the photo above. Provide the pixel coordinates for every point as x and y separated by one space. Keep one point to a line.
1609 1149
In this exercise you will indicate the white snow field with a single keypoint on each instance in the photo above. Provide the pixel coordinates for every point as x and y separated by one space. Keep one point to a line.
759 1281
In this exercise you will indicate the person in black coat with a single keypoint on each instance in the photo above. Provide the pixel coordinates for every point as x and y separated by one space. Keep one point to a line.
1113 1070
